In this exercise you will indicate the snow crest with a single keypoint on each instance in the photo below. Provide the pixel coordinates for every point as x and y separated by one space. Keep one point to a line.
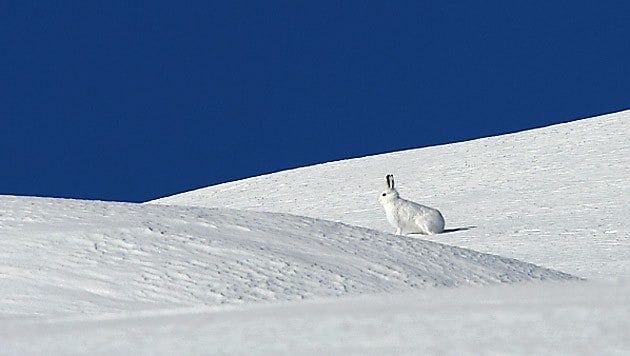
70 256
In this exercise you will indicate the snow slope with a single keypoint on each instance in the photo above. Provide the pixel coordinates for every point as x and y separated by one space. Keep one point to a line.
556 196
304 262
65 257
523 319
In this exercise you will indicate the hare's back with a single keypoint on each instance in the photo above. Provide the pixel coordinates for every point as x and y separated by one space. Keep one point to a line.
429 220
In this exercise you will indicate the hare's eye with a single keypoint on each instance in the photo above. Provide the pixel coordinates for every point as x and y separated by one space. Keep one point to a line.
384 194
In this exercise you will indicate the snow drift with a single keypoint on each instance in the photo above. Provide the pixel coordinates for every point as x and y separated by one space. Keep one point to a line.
70 256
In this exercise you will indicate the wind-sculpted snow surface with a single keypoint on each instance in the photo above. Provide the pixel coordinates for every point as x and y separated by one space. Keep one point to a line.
68 256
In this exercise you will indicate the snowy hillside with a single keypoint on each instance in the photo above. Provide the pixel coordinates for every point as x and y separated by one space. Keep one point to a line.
304 262
64 257
556 196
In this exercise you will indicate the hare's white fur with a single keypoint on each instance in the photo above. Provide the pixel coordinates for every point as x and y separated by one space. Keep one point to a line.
409 217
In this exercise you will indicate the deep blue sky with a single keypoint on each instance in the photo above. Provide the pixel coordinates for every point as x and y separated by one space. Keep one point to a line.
135 100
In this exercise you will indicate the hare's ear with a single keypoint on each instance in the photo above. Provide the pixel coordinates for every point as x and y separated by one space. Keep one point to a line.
390 181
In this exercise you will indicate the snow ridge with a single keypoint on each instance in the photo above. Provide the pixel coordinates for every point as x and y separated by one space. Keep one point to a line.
69 256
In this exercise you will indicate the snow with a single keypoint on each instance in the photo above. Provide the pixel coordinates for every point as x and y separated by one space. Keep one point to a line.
576 318
82 257
537 259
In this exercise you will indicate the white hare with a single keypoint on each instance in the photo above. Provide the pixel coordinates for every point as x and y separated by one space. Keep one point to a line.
409 217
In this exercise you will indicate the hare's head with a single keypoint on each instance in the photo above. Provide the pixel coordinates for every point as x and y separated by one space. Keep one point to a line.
390 193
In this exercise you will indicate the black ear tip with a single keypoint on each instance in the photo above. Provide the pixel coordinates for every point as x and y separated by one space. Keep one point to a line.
390 181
